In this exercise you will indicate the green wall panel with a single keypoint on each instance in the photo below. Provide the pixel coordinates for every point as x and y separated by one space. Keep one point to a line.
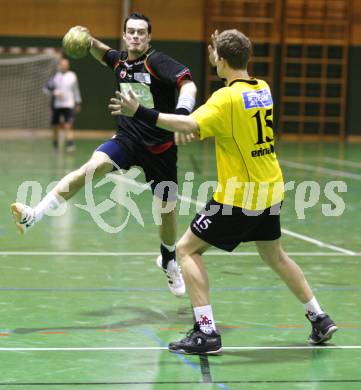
353 122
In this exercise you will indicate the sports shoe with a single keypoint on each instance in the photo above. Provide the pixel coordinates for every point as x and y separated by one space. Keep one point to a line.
322 329
198 343
24 216
175 279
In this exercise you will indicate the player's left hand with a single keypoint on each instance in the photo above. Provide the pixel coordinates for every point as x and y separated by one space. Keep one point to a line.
124 104
212 51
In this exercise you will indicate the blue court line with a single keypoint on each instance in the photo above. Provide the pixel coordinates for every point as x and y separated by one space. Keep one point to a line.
150 334
143 289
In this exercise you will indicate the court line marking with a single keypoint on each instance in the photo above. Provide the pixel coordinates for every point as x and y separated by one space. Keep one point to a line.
80 349
308 167
115 254
317 242
161 289
183 382
347 163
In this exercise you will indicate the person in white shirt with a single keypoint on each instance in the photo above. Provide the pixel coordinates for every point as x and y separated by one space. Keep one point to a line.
66 101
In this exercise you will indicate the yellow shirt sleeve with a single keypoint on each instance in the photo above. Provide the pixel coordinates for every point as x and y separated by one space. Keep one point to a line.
214 118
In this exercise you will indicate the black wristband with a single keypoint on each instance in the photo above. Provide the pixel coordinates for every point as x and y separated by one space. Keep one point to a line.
181 111
148 115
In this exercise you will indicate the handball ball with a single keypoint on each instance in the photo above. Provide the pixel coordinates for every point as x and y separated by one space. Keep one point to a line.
76 42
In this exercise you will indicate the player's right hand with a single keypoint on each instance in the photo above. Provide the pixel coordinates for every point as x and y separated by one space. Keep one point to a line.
124 104
83 29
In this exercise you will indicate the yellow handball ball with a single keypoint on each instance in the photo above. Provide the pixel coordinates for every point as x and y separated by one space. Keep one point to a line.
77 42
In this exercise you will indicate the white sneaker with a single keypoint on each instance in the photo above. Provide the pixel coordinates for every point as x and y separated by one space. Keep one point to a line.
175 279
24 216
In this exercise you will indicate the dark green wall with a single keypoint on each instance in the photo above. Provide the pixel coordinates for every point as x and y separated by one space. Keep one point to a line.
97 82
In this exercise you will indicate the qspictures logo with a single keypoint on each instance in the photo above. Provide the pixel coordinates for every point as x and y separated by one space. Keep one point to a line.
123 191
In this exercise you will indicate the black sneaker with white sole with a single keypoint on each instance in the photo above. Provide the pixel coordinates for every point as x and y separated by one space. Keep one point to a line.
322 328
197 343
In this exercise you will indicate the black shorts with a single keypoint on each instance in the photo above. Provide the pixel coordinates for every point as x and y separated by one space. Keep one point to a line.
66 113
160 169
229 226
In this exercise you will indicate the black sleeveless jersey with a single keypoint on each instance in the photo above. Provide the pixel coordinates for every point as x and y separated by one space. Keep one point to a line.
154 78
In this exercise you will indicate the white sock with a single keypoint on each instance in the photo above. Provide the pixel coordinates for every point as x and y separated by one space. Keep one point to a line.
171 248
204 317
313 308
49 202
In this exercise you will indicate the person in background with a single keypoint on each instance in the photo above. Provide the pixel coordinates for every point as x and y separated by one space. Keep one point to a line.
66 102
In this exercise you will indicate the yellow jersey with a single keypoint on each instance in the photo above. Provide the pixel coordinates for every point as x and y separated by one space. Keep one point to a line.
239 116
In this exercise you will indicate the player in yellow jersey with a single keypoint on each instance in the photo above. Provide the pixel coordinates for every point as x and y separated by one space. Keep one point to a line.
247 202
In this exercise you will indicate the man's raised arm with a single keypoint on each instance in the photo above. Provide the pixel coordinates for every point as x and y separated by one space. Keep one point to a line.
98 49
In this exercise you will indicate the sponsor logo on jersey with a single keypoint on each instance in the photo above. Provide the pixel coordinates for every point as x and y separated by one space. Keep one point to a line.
263 151
141 90
142 78
122 73
257 99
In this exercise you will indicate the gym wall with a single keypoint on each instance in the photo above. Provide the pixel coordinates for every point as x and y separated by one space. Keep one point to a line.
177 30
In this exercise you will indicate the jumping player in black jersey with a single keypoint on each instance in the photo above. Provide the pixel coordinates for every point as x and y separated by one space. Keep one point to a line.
157 80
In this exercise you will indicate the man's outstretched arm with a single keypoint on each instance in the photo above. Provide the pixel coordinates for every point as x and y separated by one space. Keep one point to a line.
177 123
128 105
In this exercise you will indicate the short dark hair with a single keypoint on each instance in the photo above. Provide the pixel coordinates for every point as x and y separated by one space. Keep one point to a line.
139 16
235 48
